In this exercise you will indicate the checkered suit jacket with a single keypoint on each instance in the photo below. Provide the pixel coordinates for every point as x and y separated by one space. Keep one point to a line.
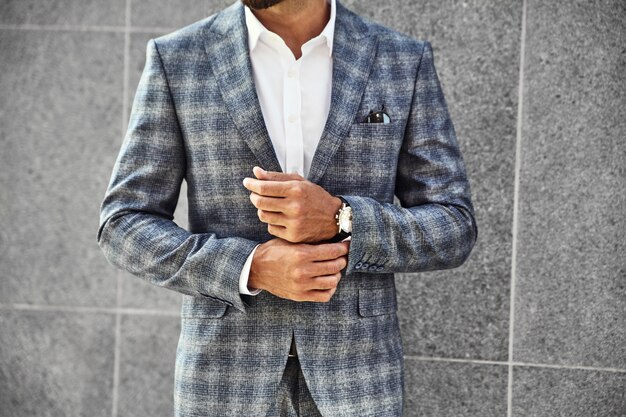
196 117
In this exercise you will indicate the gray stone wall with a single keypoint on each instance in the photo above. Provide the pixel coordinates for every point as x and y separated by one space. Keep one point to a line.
531 325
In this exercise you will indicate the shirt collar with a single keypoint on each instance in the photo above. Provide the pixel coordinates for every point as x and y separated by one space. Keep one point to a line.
256 28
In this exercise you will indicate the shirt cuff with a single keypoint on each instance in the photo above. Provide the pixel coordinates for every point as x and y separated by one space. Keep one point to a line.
245 274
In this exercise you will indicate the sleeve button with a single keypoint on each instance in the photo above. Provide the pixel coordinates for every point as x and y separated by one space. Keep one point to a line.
358 265
380 268
372 268
365 265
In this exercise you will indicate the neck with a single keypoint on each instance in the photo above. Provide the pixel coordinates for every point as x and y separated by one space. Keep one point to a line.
295 21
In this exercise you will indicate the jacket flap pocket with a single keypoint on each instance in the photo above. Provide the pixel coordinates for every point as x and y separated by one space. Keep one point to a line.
196 307
377 301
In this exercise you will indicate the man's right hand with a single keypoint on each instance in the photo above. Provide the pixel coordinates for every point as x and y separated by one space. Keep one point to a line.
298 271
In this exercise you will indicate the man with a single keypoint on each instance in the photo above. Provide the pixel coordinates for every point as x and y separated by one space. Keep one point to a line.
294 124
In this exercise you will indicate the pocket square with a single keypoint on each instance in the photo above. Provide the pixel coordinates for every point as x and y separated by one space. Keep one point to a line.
379 116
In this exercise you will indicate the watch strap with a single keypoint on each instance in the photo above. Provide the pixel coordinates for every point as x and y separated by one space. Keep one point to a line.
339 237
342 234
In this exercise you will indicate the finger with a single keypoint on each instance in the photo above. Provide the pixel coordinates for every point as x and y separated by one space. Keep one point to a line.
318 296
270 217
277 204
326 251
267 188
261 174
321 296
325 282
278 231
330 267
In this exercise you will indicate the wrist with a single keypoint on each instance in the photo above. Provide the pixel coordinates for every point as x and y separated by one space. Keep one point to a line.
332 229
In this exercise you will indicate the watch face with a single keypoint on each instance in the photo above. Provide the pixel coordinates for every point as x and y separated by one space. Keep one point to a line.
345 220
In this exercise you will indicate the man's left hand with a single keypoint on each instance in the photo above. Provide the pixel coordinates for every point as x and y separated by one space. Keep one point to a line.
294 209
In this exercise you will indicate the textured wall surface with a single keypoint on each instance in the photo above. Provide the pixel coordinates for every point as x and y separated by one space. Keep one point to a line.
532 325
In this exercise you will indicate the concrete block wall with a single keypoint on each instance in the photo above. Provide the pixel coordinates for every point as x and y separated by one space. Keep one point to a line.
531 325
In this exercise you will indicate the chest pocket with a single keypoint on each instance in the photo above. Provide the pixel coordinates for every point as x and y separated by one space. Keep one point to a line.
375 135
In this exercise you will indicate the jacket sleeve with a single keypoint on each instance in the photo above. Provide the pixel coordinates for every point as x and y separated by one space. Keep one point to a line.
137 232
434 228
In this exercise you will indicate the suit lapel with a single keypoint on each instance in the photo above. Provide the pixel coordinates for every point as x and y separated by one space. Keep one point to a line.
354 50
230 60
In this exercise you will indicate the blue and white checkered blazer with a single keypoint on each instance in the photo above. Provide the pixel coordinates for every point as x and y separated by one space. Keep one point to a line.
196 117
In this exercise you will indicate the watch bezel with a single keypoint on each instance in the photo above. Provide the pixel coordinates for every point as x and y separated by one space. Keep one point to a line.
345 218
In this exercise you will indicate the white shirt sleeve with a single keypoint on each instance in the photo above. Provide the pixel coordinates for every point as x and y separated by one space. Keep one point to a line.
245 274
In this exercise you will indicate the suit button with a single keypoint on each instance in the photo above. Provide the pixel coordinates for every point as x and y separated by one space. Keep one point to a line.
358 265
380 268
372 268
365 265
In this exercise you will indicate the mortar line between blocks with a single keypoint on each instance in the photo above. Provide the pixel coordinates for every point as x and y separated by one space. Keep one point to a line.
85 28
62 28
126 70
514 231
116 355
118 298
95 310
518 364
456 360
570 367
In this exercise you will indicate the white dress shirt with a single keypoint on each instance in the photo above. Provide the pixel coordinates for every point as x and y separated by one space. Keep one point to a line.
294 95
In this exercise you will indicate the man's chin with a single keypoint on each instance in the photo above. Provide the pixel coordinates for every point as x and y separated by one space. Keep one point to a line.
260 4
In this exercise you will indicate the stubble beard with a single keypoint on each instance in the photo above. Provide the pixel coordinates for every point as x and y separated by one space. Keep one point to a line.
260 4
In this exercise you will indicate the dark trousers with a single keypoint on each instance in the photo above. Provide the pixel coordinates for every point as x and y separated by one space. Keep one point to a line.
293 397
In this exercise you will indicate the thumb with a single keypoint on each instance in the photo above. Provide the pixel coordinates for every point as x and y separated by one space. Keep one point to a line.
275 176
